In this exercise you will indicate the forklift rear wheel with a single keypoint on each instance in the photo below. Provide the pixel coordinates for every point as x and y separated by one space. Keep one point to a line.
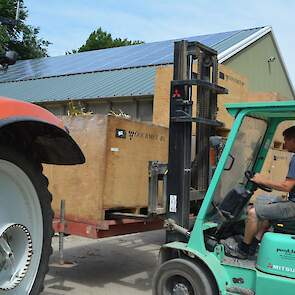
25 224
182 277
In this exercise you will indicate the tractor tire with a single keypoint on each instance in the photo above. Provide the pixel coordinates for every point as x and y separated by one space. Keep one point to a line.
181 276
25 224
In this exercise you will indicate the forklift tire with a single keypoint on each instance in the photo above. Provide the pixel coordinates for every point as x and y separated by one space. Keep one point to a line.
25 224
181 276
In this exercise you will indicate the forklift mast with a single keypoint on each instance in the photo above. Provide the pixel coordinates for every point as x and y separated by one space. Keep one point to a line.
185 176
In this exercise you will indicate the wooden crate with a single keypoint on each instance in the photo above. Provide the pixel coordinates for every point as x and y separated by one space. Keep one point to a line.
115 174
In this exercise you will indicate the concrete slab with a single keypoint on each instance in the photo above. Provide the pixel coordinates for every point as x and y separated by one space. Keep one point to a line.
118 265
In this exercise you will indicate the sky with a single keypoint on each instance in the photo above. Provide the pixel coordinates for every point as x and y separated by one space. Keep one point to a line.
68 23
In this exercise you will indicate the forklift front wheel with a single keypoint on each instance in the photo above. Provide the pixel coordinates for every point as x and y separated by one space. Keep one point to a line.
182 277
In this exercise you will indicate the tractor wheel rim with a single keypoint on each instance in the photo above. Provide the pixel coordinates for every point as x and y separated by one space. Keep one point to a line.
15 255
21 218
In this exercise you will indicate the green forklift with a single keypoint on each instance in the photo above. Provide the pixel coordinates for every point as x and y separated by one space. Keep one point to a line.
193 261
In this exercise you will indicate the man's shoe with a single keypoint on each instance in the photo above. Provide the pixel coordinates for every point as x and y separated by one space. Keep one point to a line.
254 248
252 254
234 251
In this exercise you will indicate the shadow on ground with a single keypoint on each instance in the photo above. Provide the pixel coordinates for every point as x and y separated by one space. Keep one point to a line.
120 265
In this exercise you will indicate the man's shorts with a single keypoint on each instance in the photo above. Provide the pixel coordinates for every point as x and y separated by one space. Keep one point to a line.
270 207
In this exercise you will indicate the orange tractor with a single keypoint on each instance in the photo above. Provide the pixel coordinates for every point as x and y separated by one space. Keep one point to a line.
29 136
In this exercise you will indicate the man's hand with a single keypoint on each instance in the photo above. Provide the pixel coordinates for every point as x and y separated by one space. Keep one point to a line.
284 186
258 178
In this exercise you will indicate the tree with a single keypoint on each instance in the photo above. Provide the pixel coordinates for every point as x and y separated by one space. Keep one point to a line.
21 38
100 39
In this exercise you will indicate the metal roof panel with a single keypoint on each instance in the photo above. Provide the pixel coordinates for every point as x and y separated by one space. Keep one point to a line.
129 82
147 54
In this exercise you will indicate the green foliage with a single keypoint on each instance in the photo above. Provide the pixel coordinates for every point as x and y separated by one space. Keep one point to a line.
21 38
100 39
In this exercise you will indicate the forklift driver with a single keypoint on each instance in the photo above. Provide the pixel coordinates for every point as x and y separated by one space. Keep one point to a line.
267 208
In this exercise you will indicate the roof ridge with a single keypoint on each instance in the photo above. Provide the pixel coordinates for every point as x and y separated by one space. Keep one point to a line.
261 31
237 32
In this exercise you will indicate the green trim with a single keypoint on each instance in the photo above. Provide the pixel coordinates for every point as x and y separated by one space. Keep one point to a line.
208 225
261 104
248 275
272 109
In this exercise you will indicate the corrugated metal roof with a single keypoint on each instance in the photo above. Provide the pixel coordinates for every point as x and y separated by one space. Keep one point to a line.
129 82
117 58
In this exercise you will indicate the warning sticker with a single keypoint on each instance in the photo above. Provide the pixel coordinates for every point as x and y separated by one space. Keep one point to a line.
172 203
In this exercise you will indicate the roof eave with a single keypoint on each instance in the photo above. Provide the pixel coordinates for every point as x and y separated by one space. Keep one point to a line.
223 56
228 53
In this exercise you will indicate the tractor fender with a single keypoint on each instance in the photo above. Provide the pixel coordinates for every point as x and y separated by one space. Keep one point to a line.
209 262
37 131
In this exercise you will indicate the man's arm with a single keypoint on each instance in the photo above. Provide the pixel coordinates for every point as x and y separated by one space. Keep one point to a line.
284 186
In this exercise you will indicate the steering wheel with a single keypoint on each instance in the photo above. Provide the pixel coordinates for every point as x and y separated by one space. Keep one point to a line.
250 175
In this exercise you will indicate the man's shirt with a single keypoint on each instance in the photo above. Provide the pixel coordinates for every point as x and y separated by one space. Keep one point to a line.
291 174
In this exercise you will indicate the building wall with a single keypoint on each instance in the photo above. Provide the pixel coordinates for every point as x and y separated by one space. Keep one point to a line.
261 64
137 108
58 109
238 91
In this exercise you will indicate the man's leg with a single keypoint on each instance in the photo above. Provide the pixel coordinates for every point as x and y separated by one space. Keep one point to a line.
241 250
254 231
251 228
263 227
254 227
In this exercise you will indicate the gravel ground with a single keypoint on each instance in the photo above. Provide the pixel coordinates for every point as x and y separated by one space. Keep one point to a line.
119 265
